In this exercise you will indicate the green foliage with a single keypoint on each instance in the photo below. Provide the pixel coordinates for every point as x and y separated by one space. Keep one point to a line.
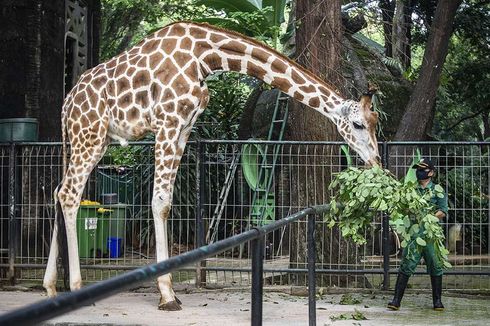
259 19
228 94
365 193
348 299
126 22
463 99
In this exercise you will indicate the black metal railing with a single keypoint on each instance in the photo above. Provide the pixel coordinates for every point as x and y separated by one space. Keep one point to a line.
50 308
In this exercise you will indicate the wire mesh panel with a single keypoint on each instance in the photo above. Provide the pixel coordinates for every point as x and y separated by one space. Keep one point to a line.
270 181
463 171
4 208
224 188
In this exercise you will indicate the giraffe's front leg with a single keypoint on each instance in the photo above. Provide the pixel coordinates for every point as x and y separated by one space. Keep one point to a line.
165 155
161 204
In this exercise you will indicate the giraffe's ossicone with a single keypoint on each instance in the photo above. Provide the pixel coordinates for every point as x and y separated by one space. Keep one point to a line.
158 86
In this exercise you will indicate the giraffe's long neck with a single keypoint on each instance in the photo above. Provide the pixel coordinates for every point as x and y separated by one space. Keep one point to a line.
217 49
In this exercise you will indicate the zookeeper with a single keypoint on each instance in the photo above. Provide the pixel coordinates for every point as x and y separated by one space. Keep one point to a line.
425 170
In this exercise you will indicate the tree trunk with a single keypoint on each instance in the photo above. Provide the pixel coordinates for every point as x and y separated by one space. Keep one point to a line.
387 9
319 48
417 120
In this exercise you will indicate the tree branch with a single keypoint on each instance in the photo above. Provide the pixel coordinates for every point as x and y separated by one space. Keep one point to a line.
454 125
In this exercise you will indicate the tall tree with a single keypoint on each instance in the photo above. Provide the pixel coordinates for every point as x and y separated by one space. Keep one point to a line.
417 119
319 48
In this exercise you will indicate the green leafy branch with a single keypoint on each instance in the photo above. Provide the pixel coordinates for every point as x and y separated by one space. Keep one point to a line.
366 193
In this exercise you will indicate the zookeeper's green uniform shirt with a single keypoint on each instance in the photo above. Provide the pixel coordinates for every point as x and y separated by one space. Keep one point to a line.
409 262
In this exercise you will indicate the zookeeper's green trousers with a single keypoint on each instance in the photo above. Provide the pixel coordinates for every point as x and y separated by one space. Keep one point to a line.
411 257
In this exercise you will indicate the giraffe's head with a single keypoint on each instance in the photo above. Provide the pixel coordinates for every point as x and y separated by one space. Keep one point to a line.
356 123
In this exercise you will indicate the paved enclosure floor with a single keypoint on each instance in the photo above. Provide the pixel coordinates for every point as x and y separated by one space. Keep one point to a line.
225 307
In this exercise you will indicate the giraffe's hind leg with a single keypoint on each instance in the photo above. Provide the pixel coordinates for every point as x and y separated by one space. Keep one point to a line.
86 151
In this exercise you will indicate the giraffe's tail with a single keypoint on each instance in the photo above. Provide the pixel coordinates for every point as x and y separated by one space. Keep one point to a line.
62 242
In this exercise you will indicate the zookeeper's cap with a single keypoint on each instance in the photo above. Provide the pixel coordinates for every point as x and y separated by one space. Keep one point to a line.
424 163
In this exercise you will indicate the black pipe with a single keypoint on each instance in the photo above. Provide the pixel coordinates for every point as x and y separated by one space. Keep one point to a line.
49 308
257 250
311 270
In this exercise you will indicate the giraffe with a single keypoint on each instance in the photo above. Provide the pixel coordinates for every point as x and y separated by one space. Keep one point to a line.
158 86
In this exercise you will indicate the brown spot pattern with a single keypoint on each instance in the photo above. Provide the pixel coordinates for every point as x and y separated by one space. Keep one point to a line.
180 85
150 46
260 55
166 72
141 98
186 43
177 30
308 89
278 66
141 78
213 61
182 58
168 45
256 71
197 33
297 95
282 83
155 59
191 71
122 85
235 64
216 38
314 102
133 114
201 47
168 94
297 77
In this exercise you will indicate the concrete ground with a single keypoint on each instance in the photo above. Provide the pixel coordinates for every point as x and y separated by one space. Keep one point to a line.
232 307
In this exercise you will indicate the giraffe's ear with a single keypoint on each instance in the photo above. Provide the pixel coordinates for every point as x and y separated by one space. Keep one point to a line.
366 101
366 98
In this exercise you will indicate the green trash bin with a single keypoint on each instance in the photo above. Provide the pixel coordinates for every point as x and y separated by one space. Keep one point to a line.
111 223
87 224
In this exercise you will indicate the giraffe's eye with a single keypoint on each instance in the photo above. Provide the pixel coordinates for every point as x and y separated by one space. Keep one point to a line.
358 125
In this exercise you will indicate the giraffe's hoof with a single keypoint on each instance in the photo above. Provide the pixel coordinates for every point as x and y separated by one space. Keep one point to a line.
170 306
178 301
51 293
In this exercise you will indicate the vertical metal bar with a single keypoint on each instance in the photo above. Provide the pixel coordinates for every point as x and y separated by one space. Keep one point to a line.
386 228
200 271
12 221
311 270
386 252
257 249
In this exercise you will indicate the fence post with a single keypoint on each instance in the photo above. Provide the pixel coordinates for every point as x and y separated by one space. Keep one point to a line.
311 270
257 249
200 267
386 229
12 221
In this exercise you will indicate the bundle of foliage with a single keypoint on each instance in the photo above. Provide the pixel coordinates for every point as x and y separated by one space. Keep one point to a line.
364 193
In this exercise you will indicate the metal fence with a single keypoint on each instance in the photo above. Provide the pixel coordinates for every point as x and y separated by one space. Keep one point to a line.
226 187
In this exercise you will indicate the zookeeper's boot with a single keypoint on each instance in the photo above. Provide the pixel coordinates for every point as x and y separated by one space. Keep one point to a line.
437 292
401 284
